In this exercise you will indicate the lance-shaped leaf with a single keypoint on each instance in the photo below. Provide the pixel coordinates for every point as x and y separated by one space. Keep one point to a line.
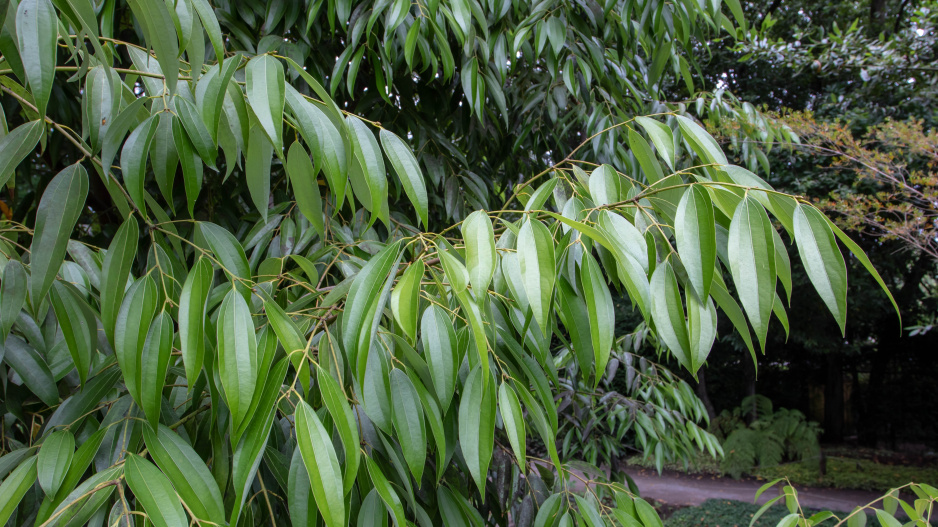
227 250
701 329
646 160
134 160
373 188
324 140
334 400
131 328
210 24
265 90
701 142
53 461
37 29
365 301
300 497
305 187
602 318
114 272
196 131
668 312
188 473
15 486
439 348
662 138
160 33
12 296
237 355
604 185
32 368
408 171
456 273
322 464
751 251
477 425
479 236
59 208
192 302
695 234
16 145
155 492
257 169
386 492
409 422
536 260
163 156
78 326
154 361
191 163
822 260
513 419
405 299
473 315
290 336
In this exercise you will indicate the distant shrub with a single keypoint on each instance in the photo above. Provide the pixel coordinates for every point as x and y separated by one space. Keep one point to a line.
772 437
728 513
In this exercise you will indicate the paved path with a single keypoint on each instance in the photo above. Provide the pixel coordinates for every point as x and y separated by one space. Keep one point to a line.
681 489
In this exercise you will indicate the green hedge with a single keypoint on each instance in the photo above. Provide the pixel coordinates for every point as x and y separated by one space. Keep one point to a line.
850 473
729 513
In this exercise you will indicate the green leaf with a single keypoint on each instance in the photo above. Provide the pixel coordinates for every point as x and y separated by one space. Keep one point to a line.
188 473
602 317
536 260
78 326
15 486
865 260
131 328
477 425
456 273
409 422
237 355
346 423
481 258
227 250
662 138
701 329
822 260
305 187
373 193
407 169
37 30
196 131
257 170
16 145
114 272
473 314
751 252
155 492
134 161
163 156
325 141
32 368
390 498
322 464
59 208
210 24
541 195
605 185
192 304
12 296
701 142
695 234
191 163
405 299
439 344
668 312
154 361
265 91
53 460
365 301
513 419
646 160
160 33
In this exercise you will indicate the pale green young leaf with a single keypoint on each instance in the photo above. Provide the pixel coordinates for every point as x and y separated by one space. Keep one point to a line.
386 492
605 185
59 208
322 465
405 299
513 419
456 273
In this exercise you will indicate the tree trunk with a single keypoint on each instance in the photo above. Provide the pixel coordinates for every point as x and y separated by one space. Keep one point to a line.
702 394
834 399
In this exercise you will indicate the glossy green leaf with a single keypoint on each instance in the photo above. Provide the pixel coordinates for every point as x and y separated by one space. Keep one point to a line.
58 212
439 344
456 273
305 187
481 258
16 145
154 360
155 492
695 234
114 273
78 326
196 131
160 33
405 299
604 185
408 171
409 422
365 300
237 355
321 462
12 296
536 260
257 169
513 419
134 160
387 493
55 456
192 302
662 138
15 486
228 251
751 253
37 30
477 425
668 312
373 188
265 92
602 319
334 400
131 328
822 260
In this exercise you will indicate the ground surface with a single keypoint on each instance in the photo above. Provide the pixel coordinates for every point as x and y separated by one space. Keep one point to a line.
676 490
